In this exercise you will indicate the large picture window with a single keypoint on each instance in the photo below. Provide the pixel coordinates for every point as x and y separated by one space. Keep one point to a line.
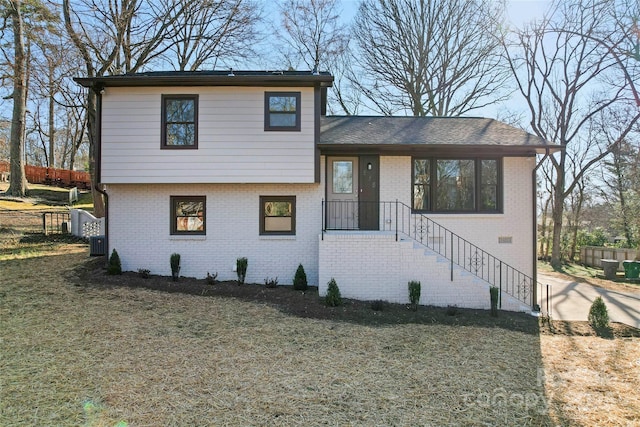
179 121
456 185
188 215
277 215
282 111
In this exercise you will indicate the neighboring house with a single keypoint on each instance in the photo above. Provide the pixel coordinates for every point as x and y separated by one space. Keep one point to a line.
221 165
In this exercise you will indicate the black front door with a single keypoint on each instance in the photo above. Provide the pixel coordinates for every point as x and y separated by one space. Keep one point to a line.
369 197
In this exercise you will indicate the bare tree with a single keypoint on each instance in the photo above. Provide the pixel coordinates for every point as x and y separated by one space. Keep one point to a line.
18 181
113 37
315 36
430 57
621 185
567 78
209 31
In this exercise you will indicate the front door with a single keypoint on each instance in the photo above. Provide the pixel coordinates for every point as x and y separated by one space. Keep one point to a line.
353 193
342 193
369 200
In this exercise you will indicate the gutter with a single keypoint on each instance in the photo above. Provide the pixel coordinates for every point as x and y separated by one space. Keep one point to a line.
534 185
98 90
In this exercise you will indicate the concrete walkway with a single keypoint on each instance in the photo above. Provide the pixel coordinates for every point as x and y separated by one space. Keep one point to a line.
572 300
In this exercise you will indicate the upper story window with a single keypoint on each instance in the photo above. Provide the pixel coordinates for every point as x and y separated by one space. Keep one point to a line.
188 215
457 185
282 111
179 121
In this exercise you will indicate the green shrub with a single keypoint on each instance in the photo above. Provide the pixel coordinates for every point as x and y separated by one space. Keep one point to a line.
300 279
241 268
333 298
414 294
598 314
114 267
175 266
494 292
377 305
452 310
144 273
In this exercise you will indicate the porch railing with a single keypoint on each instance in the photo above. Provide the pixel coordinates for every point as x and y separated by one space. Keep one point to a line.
400 219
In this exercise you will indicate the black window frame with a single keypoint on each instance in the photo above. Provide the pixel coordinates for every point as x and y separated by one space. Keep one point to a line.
265 199
268 112
180 97
478 185
173 219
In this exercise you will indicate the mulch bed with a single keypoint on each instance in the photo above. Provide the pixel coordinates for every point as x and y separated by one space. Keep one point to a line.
308 304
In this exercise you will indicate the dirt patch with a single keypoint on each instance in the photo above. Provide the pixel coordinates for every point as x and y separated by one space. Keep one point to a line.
309 305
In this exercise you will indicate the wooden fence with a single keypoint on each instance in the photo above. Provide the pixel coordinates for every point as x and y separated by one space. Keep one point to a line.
52 176
591 255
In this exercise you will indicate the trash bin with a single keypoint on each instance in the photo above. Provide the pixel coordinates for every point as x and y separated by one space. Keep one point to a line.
610 267
631 269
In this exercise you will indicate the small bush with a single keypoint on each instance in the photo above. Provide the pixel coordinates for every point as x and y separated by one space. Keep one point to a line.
114 267
333 297
241 268
494 293
414 294
212 279
300 279
598 314
144 273
271 283
175 266
452 310
377 305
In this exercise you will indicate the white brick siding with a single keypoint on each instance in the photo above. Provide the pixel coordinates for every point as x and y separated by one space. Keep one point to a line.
371 266
139 218
366 266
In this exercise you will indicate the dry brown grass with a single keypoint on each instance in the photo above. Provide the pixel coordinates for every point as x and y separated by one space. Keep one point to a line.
77 355
592 381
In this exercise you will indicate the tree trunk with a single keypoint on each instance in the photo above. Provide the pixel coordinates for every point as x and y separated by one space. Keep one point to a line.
557 215
18 181
52 127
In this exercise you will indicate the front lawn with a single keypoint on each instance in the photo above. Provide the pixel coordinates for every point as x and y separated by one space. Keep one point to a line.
86 351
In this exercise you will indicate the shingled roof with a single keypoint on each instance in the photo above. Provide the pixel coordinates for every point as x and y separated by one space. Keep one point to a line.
426 133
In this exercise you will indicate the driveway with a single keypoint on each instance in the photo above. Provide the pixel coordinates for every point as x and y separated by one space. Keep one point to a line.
572 300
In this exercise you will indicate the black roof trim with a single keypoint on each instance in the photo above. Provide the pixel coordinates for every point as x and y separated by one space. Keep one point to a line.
211 78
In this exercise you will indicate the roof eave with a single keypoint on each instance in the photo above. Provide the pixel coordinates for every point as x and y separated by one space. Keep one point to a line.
422 149
206 80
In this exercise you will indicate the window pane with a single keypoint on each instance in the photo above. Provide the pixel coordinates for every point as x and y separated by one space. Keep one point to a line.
455 185
421 197
180 110
489 172
282 119
489 197
282 103
277 224
421 171
342 177
421 187
180 134
277 209
489 189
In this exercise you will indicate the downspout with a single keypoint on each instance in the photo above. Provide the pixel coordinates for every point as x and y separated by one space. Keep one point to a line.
99 90
534 185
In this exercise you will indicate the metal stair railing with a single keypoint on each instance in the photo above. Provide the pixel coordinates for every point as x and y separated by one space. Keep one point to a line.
400 218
